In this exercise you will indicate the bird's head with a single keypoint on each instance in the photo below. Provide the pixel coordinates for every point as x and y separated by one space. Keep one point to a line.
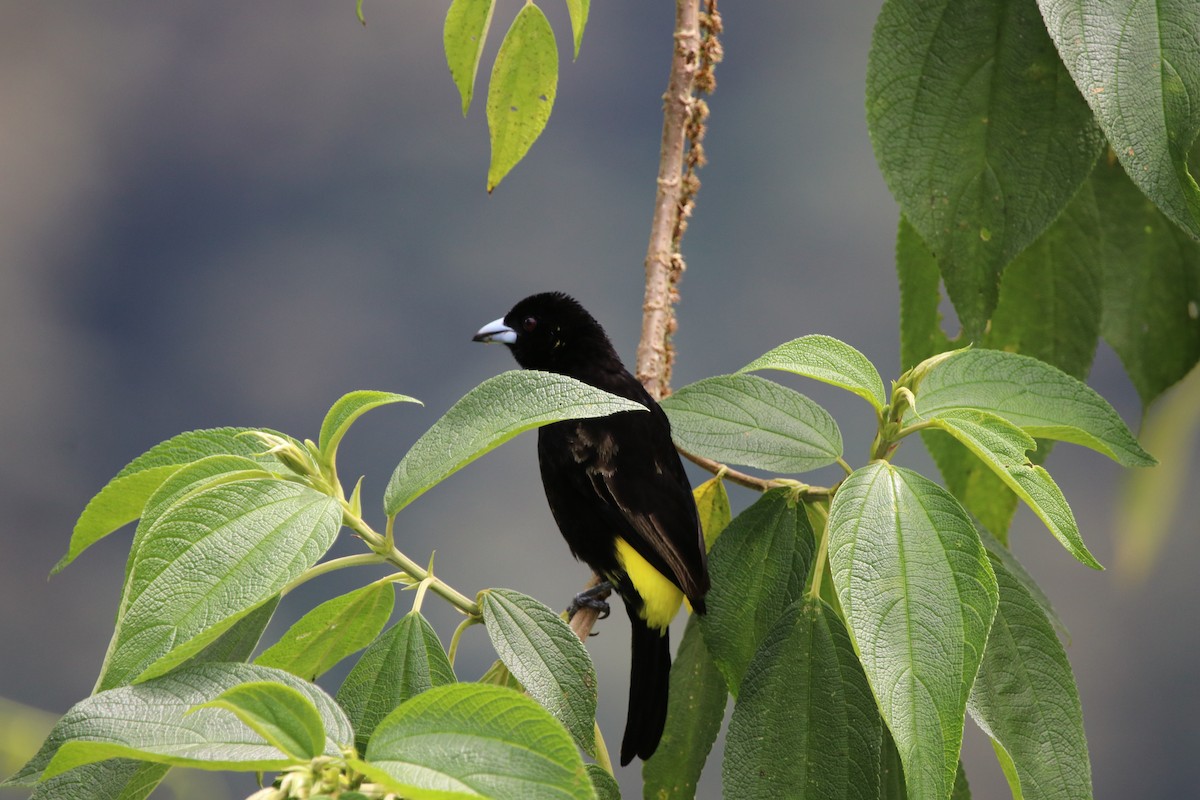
551 332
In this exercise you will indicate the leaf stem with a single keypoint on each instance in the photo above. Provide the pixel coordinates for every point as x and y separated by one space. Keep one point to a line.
822 554
602 757
458 632
363 559
757 484
385 549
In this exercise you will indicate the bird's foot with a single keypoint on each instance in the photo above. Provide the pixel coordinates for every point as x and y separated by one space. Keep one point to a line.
592 598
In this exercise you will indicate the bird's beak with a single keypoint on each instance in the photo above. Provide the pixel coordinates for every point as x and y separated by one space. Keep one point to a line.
496 332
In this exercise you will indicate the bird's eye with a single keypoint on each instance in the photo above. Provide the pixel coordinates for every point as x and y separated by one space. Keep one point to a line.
529 324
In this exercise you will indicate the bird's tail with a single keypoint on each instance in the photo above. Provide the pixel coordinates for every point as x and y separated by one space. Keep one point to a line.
649 679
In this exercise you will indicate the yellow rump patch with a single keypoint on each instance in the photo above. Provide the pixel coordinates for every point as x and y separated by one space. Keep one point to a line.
660 597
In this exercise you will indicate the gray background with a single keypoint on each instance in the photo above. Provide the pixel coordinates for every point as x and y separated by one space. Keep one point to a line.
222 213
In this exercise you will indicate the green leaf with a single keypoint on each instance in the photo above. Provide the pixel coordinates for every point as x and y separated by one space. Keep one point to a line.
828 360
208 561
962 789
1151 275
332 631
823 741
286 719
487 417
921 334
758 568
545 655
891 771
744 419
404 661
918 595
1025 698
521 91
463 37
578 10
695 708
1150 501
1036 397
1050 295
712 504
518 751
114 779
150 721
345 411
121 501
1139 68
979 134
1002 447
996 550
604 784
238 643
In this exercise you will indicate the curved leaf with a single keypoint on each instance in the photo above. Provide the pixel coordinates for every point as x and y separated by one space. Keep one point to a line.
345 411
979 133
544 654
518 751
744 419
825 359
487 417
1025 698
824 740
332 631
919 596
1139 67
153 721
1040 399
521 91
121 500
284 718
404 661
758 568
208 561
463 37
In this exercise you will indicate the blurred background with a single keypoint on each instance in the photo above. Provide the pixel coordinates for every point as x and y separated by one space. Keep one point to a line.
217 213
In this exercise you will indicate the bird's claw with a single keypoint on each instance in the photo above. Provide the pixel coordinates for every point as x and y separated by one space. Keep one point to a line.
592 598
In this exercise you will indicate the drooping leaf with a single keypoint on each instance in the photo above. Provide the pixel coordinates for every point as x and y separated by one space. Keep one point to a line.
1151 275
578 11
919 596
463 37
823 740
1036 397
208 561
1018 573
544 654
712 504
404 661
518 751
345 411
747 420
239 641
979 133
332 631
521 92
1139 68
1001 446
758 568
281 715
828 360
121 501
1025 697
486 417
695 708
150 721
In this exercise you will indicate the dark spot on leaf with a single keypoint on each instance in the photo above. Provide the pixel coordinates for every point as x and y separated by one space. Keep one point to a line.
512 108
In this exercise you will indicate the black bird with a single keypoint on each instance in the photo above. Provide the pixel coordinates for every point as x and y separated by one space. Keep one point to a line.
617 490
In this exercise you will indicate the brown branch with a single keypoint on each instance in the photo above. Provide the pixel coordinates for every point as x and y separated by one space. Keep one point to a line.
697 49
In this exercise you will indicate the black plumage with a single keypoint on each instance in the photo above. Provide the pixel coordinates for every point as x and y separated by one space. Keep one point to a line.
619 494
